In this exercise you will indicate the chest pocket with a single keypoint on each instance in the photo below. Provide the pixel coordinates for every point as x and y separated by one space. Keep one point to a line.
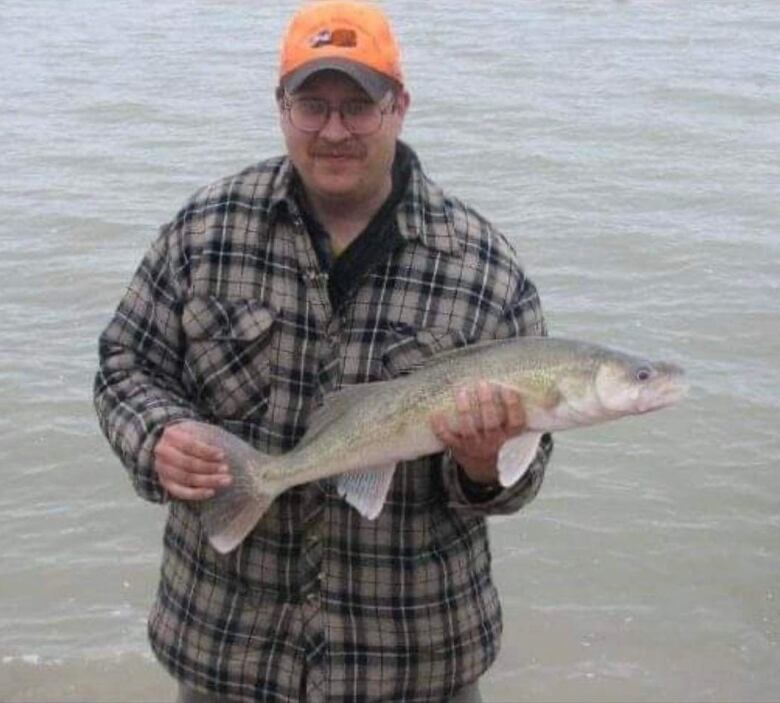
407 348
229 350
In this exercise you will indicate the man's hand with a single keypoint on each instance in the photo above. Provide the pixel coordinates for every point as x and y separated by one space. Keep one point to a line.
488 415
188 468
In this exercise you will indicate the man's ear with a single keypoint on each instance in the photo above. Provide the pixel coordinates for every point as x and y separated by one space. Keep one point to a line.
279 95
402 102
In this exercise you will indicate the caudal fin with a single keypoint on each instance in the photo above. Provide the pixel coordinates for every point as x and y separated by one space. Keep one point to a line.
233 512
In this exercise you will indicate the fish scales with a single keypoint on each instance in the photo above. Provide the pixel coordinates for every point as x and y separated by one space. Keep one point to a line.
392 423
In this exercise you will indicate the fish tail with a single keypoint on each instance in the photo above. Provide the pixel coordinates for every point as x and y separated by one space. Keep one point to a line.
233 512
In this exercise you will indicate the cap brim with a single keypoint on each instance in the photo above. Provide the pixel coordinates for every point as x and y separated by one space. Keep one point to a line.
374 83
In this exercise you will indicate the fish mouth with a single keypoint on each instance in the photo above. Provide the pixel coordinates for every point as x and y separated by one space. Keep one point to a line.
668 390
677 384
675 392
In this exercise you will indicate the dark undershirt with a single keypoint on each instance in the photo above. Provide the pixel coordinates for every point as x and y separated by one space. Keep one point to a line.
371 247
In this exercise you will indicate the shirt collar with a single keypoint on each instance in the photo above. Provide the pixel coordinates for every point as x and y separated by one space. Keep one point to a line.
425 214
283 189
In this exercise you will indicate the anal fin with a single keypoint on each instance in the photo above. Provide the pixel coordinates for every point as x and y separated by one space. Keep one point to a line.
366 490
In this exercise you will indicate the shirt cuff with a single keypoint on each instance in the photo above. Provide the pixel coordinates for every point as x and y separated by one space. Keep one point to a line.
476 492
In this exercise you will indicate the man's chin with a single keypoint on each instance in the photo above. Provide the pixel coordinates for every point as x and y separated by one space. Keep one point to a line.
335 167
333 186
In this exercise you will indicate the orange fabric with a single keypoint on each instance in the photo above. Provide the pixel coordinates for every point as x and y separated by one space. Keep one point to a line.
355 31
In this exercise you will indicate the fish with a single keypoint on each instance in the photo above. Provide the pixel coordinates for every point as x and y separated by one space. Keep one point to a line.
361 432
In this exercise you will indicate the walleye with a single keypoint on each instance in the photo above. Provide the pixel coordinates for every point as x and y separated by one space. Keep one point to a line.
361 432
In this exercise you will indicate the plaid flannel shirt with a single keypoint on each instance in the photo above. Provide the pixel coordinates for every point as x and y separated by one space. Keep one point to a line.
228 319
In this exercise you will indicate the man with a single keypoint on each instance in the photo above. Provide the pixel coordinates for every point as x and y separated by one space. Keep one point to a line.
338 264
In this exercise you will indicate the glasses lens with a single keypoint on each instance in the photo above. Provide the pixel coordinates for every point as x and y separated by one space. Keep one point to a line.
309 114
357 116
361 116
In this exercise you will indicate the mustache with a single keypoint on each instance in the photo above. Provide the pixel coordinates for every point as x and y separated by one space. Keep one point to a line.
344 150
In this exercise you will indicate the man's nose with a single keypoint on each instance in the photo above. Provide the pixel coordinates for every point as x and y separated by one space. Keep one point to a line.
334 129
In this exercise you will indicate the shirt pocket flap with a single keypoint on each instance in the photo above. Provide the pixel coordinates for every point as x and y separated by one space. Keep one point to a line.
408 348
216 318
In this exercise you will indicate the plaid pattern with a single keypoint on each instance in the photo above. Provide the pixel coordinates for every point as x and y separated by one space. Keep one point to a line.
227 319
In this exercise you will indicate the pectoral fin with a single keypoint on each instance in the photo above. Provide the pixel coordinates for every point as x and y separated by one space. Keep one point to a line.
366 490
516 456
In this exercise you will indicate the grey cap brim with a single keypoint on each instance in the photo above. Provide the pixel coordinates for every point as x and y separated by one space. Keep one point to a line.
374 83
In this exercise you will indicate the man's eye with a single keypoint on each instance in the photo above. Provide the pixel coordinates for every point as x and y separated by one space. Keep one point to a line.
312 107
355 108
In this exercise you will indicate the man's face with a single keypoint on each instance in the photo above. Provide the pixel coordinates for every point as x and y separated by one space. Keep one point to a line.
335 164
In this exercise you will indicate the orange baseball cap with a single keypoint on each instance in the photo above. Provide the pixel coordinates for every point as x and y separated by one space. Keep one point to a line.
341 35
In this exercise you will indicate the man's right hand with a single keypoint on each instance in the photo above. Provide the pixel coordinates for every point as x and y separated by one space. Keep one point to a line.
188 468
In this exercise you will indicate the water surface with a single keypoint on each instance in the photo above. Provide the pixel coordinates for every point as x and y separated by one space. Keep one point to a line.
629 151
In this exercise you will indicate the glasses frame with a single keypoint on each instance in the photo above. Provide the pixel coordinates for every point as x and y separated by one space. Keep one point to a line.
287 101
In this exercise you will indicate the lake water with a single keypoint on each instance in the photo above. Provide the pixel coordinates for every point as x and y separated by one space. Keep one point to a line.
629 149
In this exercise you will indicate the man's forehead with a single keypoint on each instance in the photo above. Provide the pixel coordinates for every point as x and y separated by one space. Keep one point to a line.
328 80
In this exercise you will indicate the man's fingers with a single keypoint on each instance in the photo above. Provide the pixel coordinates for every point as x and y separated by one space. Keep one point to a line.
172 454
492 413
465 405
190 486
180 437
487 415
442 430
190 479
185 493
515 413
188 468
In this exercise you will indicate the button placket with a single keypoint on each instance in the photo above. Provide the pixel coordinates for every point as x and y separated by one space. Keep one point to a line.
314 280
311 546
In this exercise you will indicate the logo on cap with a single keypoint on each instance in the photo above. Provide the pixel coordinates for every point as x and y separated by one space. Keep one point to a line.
338 37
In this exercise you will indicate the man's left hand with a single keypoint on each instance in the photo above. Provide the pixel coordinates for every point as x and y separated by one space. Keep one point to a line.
488 415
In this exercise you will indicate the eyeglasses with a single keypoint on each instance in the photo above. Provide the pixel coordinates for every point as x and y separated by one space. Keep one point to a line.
359 116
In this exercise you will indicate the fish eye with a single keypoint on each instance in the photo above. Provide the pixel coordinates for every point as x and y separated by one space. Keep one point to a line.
643 373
